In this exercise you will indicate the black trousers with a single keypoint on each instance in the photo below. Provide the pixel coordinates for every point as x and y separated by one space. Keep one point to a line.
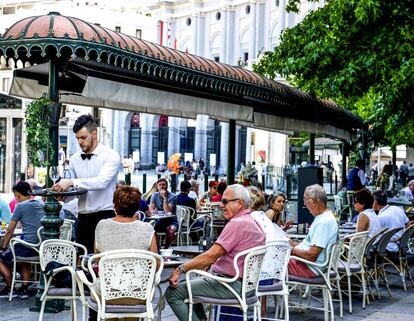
85 231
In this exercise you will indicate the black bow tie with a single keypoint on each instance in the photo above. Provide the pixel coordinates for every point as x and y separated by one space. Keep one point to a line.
86 156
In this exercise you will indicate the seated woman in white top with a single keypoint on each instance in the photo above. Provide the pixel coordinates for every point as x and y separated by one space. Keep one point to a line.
367 218
124 231
272 231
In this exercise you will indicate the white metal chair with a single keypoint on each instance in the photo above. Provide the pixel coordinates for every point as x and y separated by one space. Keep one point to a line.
327 272
380 254
369 262
275 268
216 218
34 260
251 271
399 260
187 220
65 253
130 274
353 264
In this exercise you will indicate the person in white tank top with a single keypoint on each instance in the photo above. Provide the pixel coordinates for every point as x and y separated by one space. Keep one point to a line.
367 218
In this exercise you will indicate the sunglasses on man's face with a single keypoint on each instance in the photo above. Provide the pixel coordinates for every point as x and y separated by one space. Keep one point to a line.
226 201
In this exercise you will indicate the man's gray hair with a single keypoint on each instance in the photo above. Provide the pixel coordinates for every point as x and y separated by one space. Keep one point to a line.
411 182
194 183
317 193
242 193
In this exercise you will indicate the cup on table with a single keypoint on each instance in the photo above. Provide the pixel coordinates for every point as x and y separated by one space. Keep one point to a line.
166 252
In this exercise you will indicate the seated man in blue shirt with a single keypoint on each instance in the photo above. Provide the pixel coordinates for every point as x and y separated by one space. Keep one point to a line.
184 200
29 212
322 233
164 201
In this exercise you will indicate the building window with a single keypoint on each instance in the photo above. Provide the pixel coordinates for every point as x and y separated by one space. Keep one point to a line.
245 57
188 21
118 29
216 58
277 3
97 24
138 33
218 15
9 10
247 9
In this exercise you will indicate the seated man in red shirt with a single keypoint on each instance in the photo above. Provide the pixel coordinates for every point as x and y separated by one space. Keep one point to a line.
240 233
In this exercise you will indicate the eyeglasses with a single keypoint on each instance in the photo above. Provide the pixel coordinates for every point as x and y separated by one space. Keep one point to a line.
226 201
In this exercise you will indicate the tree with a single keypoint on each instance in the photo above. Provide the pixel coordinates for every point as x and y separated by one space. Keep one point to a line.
358 53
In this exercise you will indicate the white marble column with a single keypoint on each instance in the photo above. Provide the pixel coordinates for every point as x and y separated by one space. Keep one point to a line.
223 148
252 30
200 140
146 122
173 136
282 17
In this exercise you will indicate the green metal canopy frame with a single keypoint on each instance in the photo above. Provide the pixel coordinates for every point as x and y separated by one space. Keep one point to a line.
78 52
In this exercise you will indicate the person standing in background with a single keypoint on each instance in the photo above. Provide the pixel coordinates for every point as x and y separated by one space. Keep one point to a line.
96 169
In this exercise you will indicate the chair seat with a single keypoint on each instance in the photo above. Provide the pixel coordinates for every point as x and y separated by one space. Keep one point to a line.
117 308
276 286
64 292
311 281
354 267
209 300
34 259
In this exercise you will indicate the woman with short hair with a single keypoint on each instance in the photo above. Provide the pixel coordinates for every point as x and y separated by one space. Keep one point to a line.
367 218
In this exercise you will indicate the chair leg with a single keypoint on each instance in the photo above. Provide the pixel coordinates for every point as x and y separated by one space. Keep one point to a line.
13 280
286 307
218 313
341 305
364 290
349 293
384 276
42 309
325 304
74 310
190 311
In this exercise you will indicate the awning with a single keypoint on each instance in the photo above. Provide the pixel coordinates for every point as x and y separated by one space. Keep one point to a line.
102 68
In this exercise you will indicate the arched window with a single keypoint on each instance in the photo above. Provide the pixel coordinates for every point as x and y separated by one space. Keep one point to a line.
135 134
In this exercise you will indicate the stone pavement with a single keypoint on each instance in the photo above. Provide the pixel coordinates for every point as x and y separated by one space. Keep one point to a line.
399 307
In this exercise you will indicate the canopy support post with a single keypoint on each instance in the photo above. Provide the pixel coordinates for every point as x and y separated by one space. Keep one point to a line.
231 152
51 221
312 148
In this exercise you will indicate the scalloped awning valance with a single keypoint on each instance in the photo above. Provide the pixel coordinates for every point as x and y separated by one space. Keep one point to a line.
101 67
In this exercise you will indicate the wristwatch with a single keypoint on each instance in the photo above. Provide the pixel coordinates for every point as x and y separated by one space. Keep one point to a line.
181 268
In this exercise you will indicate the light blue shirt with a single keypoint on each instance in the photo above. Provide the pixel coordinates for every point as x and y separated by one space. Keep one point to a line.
5 214
322 233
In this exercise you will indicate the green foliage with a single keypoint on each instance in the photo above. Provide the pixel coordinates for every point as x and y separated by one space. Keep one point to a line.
38 141
359 53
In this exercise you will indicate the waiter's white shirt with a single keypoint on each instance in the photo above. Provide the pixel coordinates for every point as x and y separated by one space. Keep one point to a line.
98 175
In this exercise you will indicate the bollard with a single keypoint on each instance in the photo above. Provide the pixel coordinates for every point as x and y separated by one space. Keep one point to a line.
205 182
216 177
173 183
264 182
144 183
336 184
158 176
22 176
128 178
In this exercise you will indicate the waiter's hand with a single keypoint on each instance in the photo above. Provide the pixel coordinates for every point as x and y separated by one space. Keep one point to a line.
63 185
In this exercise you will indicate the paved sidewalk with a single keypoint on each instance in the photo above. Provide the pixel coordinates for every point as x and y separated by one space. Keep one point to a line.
399 307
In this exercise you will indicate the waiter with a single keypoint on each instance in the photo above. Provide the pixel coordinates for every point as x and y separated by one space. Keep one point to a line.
96 169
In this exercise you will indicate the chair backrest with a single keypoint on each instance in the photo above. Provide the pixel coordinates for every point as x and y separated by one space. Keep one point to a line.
338 203
141 216
128 274
251 268
335 250
372 243
66 230
60 251
183 217
276 261
356 247
405 238
385 239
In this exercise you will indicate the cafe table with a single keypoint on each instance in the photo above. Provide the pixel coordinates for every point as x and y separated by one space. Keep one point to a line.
189 250
159 216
